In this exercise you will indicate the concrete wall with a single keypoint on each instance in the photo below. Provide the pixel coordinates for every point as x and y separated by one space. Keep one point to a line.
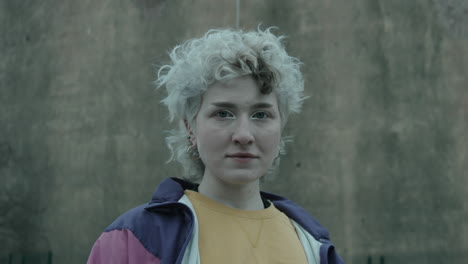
381 149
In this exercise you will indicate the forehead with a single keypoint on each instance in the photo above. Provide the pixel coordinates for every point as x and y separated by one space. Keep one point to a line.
241 91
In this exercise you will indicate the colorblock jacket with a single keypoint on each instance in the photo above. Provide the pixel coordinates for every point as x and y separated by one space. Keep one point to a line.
165 231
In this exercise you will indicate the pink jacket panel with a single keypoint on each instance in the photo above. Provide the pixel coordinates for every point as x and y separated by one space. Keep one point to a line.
120 247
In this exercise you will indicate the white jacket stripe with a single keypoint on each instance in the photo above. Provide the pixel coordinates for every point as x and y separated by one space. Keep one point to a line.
309 243
192 253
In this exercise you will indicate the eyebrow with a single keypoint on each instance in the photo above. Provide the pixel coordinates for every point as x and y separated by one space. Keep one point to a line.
231 105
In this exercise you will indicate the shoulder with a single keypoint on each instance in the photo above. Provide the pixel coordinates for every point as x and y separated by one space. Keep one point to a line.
124 240
163 209
150 233
147 234
134 219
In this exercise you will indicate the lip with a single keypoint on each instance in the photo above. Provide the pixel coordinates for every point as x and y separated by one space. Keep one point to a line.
242 155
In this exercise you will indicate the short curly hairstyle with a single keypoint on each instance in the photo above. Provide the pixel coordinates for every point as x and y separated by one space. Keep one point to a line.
221 55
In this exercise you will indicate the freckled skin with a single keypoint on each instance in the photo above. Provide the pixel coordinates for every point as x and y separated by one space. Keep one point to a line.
236 118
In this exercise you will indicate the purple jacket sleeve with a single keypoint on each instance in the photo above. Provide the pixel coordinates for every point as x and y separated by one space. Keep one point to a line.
120 247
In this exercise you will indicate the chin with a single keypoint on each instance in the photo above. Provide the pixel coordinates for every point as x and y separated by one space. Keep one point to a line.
241 177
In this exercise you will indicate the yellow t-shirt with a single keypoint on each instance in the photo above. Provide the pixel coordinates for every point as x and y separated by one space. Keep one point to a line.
230 235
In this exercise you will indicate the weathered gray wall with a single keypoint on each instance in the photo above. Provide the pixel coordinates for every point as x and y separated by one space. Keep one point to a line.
381 149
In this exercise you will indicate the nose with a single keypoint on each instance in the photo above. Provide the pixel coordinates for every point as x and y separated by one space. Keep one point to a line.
242 134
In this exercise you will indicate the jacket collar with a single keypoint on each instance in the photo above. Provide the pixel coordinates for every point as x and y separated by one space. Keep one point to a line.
172 189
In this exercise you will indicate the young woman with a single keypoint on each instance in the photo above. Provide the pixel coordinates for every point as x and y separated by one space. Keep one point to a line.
232 93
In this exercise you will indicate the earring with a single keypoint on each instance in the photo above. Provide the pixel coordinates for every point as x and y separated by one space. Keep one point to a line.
193 151
195 154
278 156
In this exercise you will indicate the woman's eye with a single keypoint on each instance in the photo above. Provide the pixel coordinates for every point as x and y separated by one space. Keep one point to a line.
223 114
260 115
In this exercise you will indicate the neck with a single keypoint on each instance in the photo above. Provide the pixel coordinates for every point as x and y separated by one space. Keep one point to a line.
245 196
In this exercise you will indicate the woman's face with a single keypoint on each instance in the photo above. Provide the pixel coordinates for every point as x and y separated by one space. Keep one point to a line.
238 131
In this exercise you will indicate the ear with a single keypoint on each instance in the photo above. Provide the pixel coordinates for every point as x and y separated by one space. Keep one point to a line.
189 130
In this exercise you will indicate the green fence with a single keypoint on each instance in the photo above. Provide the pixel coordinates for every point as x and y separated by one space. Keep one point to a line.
27 258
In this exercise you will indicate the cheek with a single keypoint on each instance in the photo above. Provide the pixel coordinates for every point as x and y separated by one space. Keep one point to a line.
270 141
210 142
